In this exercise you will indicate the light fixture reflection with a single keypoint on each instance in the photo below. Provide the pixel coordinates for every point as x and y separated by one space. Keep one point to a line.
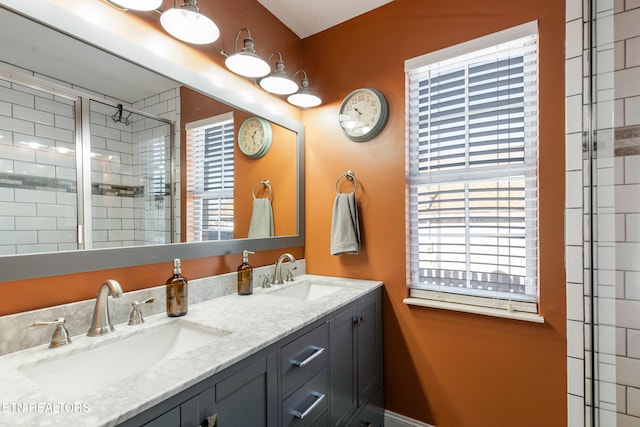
142 5
278 82
304 97
186 23
246 62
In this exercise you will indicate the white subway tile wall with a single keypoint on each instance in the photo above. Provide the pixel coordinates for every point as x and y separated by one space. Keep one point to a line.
617 223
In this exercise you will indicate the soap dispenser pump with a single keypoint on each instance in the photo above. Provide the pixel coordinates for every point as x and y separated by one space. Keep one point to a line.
245 275
177 292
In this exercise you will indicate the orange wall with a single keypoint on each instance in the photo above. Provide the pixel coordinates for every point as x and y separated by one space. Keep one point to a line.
24 295
446 368
268 33
279 167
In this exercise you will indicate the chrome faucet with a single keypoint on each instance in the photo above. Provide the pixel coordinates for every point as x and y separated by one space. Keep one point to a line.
277 273
135 317
60 335
101 322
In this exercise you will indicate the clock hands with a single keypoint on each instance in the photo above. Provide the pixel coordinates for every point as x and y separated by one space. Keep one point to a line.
256 137
358 124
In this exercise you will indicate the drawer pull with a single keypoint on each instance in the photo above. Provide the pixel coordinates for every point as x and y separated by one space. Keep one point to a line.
317 351
301 415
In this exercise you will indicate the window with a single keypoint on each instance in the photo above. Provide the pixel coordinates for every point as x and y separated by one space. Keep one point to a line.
472 172
210 178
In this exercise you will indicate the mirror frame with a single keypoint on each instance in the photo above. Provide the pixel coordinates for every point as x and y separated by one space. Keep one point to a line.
30 266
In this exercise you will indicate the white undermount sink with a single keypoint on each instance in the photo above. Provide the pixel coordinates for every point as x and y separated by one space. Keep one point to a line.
307 291
77 374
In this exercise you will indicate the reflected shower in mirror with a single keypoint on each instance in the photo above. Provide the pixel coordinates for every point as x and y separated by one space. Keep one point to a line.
131 177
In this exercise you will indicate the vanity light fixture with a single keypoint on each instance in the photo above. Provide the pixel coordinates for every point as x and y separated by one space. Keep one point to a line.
304 97
246 63
278 82
186 23
142 5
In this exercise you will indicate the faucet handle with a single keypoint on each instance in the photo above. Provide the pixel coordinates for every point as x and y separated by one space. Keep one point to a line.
266 281
290 274
135 318
60 335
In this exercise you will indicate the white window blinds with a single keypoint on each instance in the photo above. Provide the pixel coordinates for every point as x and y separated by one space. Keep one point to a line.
154 165
472 167
210 178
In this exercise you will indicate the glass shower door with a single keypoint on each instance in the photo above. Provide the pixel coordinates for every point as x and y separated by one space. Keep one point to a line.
131 198
38 173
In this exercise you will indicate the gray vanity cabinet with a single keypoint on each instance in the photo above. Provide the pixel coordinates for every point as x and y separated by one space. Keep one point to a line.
355 374
193 412
328 373
242 395
247 397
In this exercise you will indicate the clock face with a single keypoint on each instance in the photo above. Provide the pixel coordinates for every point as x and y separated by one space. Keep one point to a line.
363 114
254 137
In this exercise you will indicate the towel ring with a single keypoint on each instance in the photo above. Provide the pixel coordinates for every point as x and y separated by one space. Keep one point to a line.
267 185
351 177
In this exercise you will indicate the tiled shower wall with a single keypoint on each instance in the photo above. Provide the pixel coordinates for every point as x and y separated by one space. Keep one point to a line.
112 177
616 201
128 209
46 200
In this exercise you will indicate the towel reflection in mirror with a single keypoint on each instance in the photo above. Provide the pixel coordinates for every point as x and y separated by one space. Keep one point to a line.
261 224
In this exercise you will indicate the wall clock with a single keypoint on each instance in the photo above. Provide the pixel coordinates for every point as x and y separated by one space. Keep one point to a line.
255 137
363 114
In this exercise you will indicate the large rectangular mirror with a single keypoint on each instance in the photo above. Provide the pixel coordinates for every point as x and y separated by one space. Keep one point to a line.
99 167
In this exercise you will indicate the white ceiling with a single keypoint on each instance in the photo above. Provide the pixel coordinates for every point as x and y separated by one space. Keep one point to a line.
35 47
308 17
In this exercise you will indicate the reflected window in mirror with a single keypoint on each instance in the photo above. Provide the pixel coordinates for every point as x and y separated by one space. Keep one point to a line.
210 172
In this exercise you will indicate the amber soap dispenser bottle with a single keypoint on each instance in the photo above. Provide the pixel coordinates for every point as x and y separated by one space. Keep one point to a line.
245 275
177 292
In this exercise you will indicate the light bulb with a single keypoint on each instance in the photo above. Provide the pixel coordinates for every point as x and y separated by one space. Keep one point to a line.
187 24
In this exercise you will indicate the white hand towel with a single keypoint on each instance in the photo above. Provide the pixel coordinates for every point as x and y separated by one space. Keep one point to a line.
345 230
261 219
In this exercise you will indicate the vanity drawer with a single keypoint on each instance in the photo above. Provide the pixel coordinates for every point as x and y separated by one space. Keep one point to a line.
302 358
308 404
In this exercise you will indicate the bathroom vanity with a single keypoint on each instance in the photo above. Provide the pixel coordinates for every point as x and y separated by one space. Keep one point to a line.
307 353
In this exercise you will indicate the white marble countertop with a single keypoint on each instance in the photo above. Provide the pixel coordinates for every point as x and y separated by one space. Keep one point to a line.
254 322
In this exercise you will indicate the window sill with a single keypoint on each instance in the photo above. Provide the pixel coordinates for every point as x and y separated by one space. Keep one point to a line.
486 311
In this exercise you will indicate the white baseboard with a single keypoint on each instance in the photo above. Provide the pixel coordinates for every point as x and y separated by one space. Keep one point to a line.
391 419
